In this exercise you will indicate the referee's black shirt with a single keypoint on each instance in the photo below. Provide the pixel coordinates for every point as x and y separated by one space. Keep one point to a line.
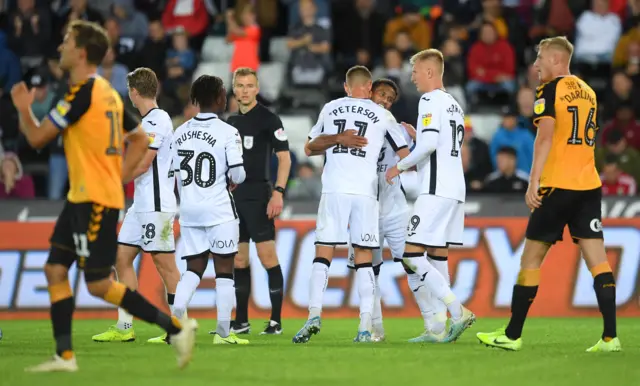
262 133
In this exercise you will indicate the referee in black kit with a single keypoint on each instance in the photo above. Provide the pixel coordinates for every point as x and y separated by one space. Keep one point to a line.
257 202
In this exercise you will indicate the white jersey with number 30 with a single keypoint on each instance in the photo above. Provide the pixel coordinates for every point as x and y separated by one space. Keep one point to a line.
353 171
441 173
204 149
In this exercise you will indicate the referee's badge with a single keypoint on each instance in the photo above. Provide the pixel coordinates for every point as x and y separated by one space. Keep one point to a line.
248 142
280 134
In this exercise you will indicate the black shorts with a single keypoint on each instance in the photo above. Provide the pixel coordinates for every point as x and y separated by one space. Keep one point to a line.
86 232
581 210
254 223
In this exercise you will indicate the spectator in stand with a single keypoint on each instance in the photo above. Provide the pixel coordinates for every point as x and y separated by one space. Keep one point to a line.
323 12
531 78
476 160
30 33
411 22
44 97
454 76
192 15
625 122
310 46
10 71
77 10
153 9
133 23
232 106
404 45
614 181
552 18
632 68
13 182
597 32
365 27
525 101
394 68
267 17
115 73
307 185
628 157
491 64
245 36
154 52
507 178
621 54
506 23
181 62
622 92
9 126
517 137
102 6
124 48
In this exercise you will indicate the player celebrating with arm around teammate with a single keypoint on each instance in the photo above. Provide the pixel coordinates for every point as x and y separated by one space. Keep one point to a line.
93 120
349 195
438 213
207 158
564 189
148 225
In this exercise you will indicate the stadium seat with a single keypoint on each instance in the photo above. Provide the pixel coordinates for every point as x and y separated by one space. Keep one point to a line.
216 49
279 51
297 128
485 125
217 69
271 77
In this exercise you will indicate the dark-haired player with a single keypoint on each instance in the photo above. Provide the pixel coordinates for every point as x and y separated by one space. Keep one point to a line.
349 193
564 189
208 162
92 118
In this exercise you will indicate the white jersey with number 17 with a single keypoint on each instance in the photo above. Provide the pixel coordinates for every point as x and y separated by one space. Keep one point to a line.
204 149
346 170
441 173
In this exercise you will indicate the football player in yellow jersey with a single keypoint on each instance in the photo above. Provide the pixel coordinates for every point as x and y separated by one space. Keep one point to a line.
92 119
564 189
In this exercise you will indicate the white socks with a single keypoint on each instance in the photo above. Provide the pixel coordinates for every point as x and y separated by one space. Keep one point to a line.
436 283
317 286
376 317
423 298
225 297
125 320
187 286
365 279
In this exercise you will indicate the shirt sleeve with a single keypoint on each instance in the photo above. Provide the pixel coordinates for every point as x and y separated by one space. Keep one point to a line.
72 106
395 137
176 165
318 128
279 140
544 106
427 135
157 131
129 122
233 150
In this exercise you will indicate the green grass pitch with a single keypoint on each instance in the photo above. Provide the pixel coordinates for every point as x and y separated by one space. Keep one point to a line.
553 355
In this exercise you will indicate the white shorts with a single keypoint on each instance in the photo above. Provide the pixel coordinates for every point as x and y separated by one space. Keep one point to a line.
393 229
436 222
221 239
149 231
348 219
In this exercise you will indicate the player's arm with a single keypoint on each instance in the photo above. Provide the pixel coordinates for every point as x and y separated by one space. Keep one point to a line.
66 112
138 142
397 140
235 163
280 145
156 139
544 116
427 134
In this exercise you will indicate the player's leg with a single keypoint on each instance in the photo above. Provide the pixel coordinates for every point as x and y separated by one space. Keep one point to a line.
61 256
377 332
224 246
129 242
331 223
162 246
364 236
545 228
586 229
242 273
194 248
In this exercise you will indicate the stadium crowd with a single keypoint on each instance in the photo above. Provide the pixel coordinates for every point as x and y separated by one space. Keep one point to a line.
489 46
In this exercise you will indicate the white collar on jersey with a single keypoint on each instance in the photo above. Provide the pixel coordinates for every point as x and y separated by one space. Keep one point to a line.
205 116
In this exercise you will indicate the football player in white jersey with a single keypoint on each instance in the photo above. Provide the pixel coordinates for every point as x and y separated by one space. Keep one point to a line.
148 225
438 214
394 213
348 211
208 163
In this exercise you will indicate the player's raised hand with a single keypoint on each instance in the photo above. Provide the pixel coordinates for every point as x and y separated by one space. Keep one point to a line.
22 97
348 138
410 130
532 198
391 174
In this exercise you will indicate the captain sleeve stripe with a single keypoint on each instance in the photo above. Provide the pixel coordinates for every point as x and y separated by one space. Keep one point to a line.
57 120
401 147
235 166
153 148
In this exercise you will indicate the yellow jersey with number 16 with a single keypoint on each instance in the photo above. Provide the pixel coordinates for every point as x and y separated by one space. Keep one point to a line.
93 120
571 161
